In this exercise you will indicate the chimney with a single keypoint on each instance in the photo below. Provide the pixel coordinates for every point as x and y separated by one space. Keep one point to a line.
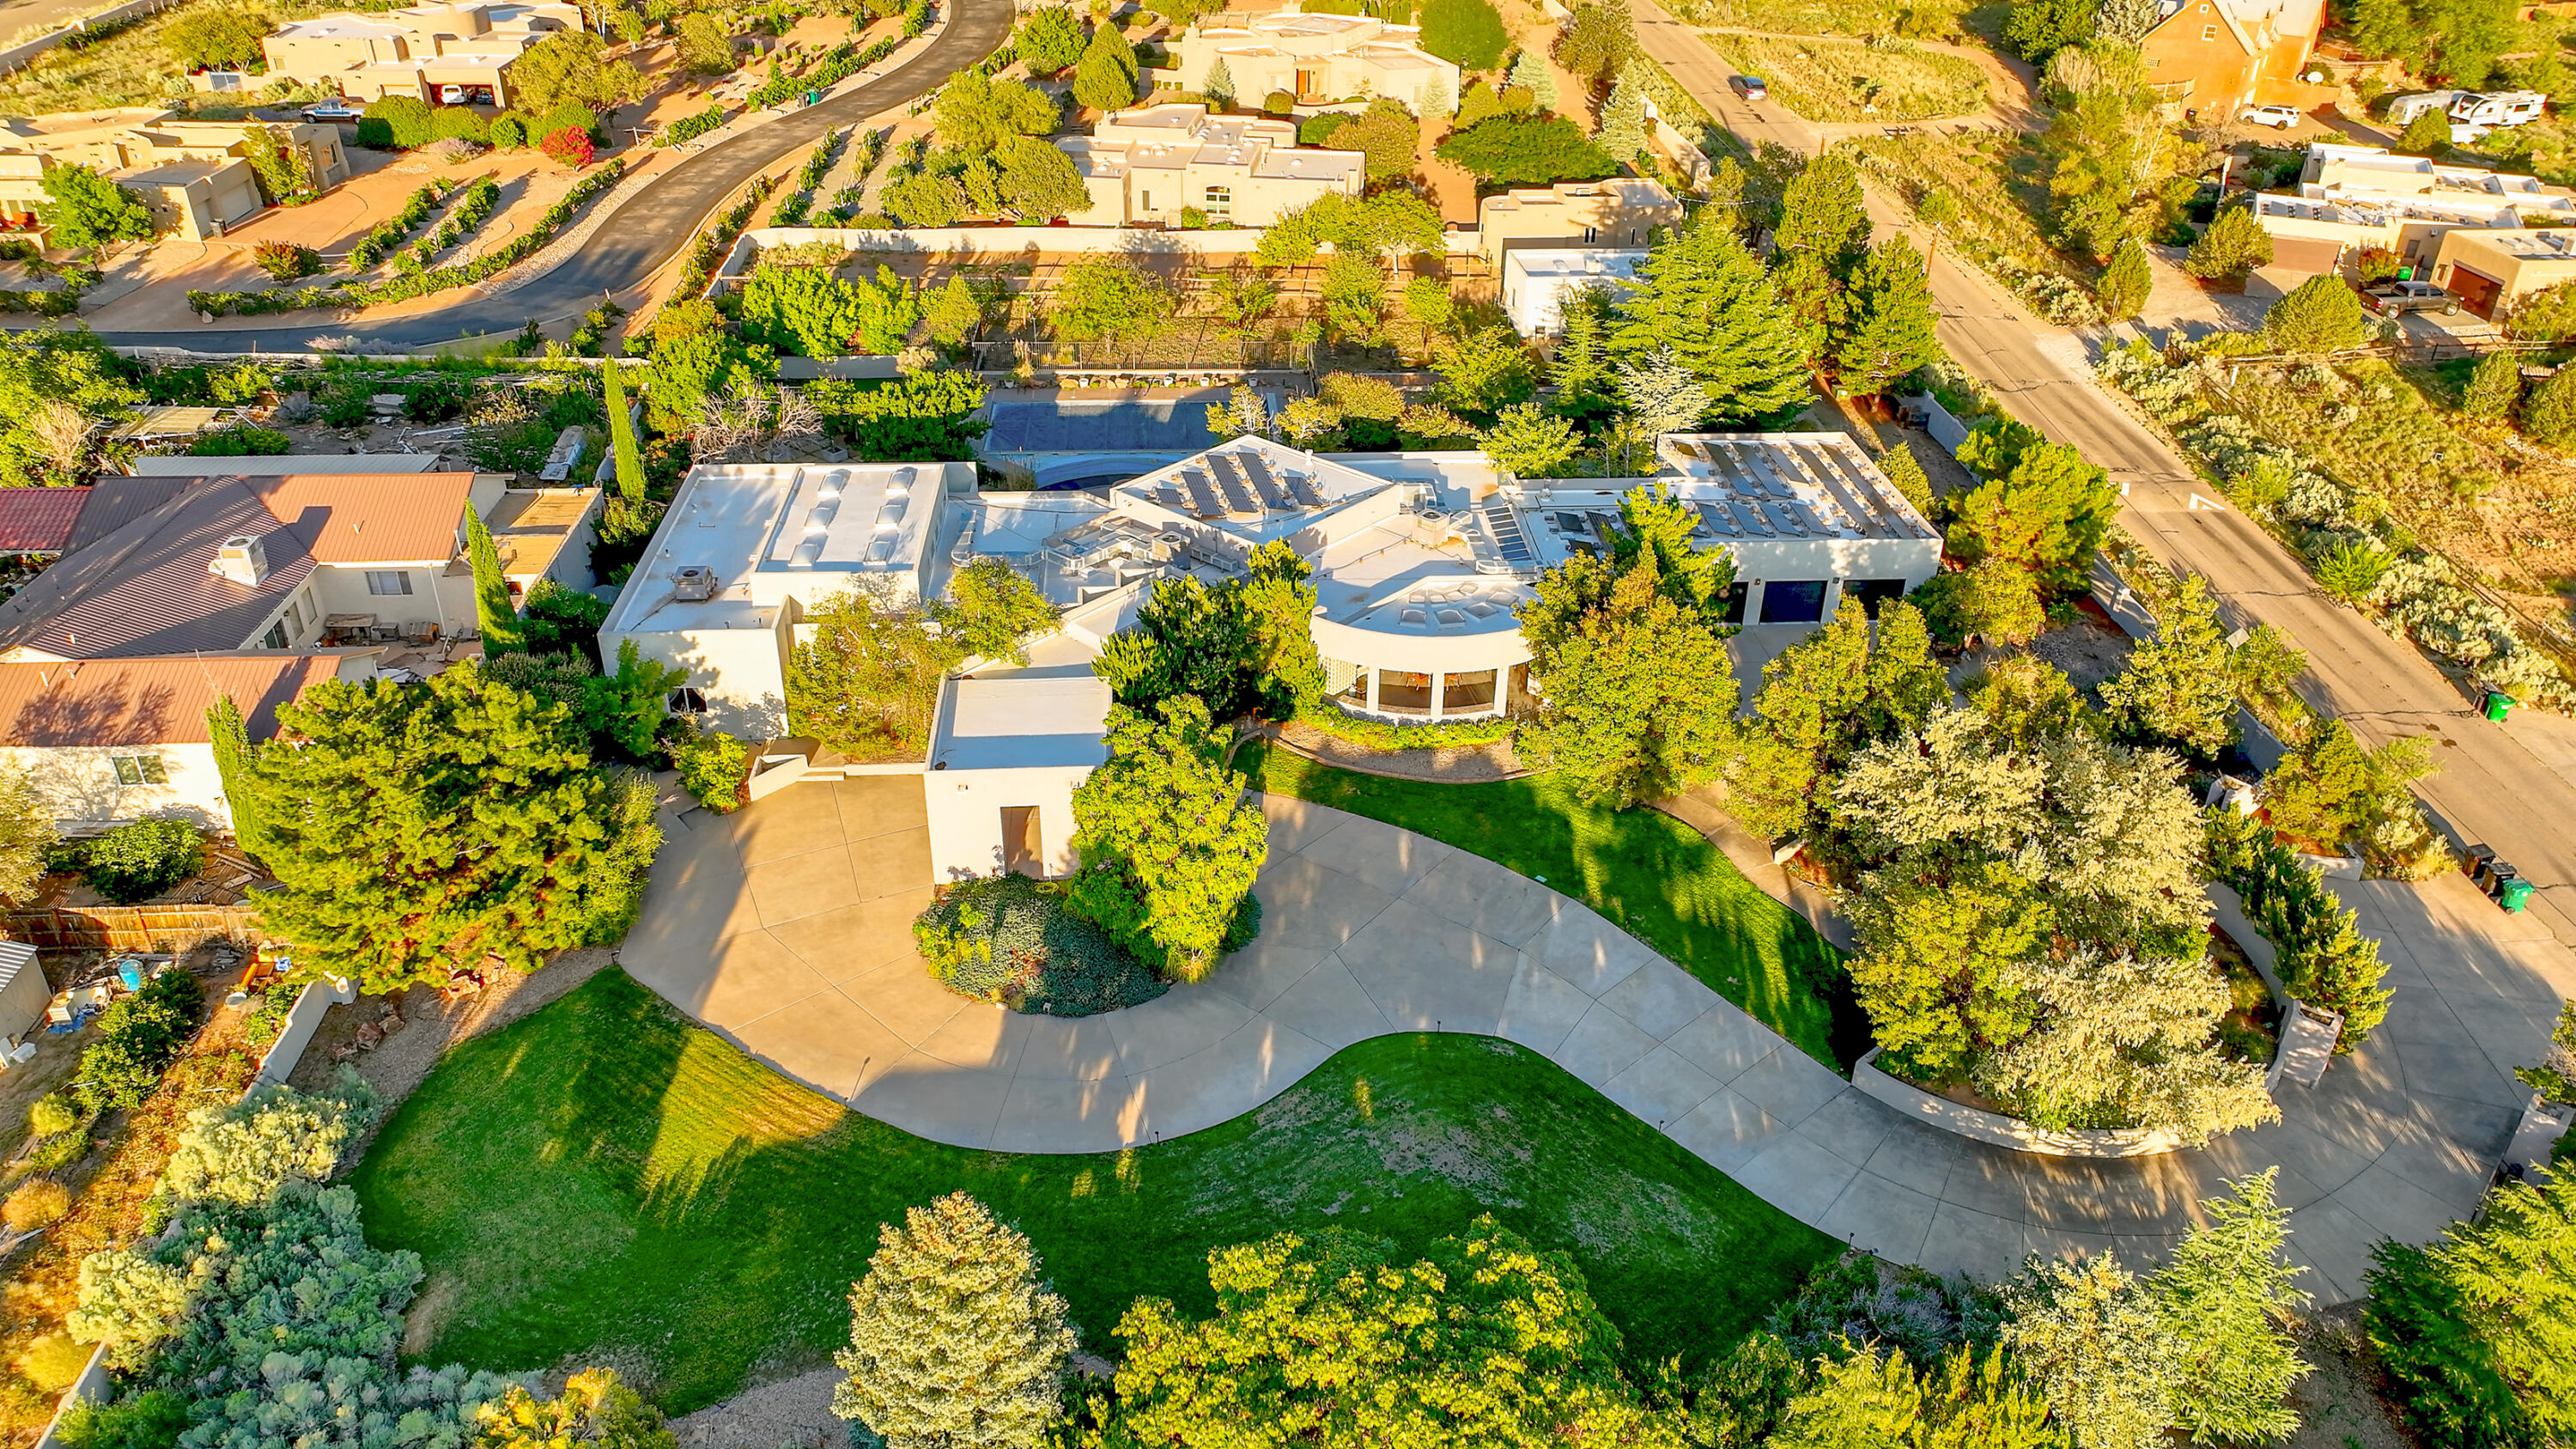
242 560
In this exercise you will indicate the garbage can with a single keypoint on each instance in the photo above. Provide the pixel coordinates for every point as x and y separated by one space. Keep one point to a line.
2498 705
2515 895
2499 874
2480 857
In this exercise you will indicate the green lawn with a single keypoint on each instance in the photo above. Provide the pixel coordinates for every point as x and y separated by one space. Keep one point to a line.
1657 877
604 1179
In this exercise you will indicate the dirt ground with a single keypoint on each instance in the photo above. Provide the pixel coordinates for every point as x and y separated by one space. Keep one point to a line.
795 1411
2090 648
2338 1406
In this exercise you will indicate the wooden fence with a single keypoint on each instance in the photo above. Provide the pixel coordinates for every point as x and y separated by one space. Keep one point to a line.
126 928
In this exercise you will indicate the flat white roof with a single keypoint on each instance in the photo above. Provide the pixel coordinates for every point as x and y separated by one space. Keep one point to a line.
1570 262
1041 716
1745 487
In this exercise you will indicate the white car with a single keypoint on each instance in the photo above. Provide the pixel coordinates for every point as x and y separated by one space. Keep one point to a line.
2279 117
451 95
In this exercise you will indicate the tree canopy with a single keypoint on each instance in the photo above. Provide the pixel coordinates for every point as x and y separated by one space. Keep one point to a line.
974 111
816 312
1527 150
417 829
2048 515
1469 32
921 417
1702 294
85 209
1050 38
1168 842
572 68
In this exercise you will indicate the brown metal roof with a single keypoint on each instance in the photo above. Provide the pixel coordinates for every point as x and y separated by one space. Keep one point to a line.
116 500
147 587
159 701
39 520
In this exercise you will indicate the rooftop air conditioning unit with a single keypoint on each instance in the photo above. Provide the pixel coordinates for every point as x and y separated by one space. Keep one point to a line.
241 559
694 585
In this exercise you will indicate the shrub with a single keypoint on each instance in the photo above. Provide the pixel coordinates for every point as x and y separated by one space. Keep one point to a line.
139 861
2549 414
1010 939
153 1420
2494 387
286 261
53 1114
54 1363
568 147
406 122
266 1014
461 123
2234 245
241 441
138 1037
2324 959
2321 315
507 131
55 1153
712 765
36 1204
1279 103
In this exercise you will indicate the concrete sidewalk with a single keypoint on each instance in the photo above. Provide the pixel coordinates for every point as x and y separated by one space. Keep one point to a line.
787 928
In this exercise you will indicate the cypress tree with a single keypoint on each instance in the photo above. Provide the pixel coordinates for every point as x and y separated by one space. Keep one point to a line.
621 434
2126 282
2227 1300
494 614
1702 293
1531 74
231 741
1105 80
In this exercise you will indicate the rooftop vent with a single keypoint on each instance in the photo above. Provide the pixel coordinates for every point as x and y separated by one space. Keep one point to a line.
693 585
241 559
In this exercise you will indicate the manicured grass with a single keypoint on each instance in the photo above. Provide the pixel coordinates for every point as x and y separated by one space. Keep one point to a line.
1656 877
604 1179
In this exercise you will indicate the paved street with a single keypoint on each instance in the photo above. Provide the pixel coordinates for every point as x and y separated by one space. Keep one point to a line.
650 228
787 927
2498 786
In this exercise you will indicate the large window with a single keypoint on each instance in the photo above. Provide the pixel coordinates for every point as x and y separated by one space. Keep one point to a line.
1874 594
388 581
1220 201
1402 691
1796 601
1467 693
139 770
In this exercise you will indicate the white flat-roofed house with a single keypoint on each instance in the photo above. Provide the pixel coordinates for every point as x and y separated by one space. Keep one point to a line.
2350 197
1314 58
1537 280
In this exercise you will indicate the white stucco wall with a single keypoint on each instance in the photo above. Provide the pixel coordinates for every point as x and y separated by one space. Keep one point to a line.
965 809
80 782
742 672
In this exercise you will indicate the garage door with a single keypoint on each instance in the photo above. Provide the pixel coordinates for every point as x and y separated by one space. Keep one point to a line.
2305 256
2476 291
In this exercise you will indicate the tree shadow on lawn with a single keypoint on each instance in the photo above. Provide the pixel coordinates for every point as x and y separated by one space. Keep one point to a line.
605 1181
1653 876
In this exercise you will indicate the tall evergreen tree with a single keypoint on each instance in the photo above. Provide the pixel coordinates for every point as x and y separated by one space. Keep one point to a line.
230 738
2227 1301
2089 1339
621 433
1702 294
1822 236
494 613
1105 78
954 1341
2126 282
1531 73
1825 698
1219 85
1586 388
1622 131
1882 322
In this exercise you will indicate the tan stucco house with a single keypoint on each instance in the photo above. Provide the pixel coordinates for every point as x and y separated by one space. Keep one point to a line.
1315 58
1143 166
1620 212
195 176
419 51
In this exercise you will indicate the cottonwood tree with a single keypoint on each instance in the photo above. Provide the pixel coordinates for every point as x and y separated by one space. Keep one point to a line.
1485 371
1169 843
1703 294
2110 158
1484 1340
1050 38
2037 29
2227 1306
955 1343
2089 1336
418 829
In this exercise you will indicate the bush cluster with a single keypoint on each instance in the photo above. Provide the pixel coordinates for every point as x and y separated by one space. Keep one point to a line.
836 67
1010 939
138 1038
388 233
403 289
469 213
690 128
138 861
712 765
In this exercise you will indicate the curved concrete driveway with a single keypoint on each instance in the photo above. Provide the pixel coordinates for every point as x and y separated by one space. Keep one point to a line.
650 226
786 927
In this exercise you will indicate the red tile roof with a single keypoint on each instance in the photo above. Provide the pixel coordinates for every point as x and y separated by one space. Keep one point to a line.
39 520
158 701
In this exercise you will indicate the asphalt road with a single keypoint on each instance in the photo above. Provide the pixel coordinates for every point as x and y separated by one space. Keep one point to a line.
650 227
2495 787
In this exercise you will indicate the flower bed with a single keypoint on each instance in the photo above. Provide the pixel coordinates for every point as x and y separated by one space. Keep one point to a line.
1010 939
403 289
2317 513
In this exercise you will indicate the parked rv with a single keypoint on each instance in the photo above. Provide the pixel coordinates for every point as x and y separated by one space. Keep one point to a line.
2402 109
2497 108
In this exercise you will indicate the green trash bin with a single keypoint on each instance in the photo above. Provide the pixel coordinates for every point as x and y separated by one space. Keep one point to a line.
2498 705
2515 895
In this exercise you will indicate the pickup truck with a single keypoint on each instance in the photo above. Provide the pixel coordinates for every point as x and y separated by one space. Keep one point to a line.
2388 299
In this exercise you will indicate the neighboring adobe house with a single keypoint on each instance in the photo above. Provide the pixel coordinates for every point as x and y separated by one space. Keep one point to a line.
1620 212
2490 271
2215 57
1315 58
111 740
1145 165
194 176
1419 561
418 51
2362 196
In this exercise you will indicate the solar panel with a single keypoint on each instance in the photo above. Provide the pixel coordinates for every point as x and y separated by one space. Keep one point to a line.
1238 494
1718 520
1305 491
1748 518
1505 526
1271 493
1784 518
1203 500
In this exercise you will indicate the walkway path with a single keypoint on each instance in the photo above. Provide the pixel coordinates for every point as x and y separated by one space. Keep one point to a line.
786 927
